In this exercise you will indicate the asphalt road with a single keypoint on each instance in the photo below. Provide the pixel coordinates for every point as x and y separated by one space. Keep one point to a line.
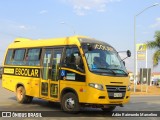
137 103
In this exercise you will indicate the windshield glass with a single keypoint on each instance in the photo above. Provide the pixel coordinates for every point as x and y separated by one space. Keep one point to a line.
103 59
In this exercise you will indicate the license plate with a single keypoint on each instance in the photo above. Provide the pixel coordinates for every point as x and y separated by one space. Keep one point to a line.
117 95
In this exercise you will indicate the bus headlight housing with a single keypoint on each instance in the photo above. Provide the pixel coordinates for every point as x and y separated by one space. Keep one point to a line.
97 86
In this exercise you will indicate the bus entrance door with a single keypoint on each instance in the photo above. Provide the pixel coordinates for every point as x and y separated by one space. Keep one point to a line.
50 74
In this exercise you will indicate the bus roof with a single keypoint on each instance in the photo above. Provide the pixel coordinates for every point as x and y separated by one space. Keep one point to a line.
72 40
24 42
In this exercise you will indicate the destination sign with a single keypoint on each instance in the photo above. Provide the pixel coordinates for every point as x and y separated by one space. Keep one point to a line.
103 47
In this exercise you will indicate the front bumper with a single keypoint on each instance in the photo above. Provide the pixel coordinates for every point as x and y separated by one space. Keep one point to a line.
105 97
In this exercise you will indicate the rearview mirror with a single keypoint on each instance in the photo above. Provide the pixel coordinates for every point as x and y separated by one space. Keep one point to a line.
90 48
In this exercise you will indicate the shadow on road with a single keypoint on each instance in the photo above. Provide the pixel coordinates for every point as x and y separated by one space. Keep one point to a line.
12 98
51 109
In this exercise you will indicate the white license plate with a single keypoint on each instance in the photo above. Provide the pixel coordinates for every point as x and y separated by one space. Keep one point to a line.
117 95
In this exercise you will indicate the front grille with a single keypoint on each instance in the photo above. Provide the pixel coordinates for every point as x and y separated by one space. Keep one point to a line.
116 92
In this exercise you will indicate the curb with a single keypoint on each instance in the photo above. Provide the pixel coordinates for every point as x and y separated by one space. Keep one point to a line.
144 95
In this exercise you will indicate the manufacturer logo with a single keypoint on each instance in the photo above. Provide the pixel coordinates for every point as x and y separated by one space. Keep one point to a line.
118 89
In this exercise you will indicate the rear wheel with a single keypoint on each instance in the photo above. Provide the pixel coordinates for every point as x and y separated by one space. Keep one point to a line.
70 103
29 99
109 109
21 95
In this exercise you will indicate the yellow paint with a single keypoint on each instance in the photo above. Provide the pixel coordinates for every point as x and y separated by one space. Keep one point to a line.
141 47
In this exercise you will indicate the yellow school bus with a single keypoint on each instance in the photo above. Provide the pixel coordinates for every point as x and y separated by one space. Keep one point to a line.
75 71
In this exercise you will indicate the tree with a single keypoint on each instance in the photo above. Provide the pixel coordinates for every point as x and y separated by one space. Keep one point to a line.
155 45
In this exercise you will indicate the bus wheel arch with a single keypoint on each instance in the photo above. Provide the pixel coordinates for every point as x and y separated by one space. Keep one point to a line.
18 85
70 100
21 94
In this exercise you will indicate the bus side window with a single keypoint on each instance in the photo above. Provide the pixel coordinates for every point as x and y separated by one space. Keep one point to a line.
8 60
33 57
18 58
79 62
73 59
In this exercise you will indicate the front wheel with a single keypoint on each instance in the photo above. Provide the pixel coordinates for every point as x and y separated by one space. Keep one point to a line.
109 109
70 103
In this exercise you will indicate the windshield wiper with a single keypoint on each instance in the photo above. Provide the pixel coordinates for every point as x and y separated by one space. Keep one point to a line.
122 71
106 69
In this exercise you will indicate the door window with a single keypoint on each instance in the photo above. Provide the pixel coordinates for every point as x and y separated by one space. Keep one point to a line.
46 63
45 73
56 58
55 64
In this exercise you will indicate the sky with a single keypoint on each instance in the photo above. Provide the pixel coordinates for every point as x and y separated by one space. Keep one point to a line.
111 21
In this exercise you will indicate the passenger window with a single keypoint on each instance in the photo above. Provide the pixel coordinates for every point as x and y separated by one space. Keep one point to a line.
18 58
9 57
19 55
33 57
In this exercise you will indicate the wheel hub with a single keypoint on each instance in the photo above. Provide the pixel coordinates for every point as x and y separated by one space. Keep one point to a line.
69 103
20 94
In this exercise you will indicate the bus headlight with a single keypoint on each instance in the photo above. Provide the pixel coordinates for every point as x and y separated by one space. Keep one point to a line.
97 86
128 88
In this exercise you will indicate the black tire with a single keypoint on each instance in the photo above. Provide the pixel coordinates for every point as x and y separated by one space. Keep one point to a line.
21 95
29 99
110 109
70 103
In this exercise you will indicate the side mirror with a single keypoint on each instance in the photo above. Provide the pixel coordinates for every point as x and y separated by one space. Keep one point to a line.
89 47
128 53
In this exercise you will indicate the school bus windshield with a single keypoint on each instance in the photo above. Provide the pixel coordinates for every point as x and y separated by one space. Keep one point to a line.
103 59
